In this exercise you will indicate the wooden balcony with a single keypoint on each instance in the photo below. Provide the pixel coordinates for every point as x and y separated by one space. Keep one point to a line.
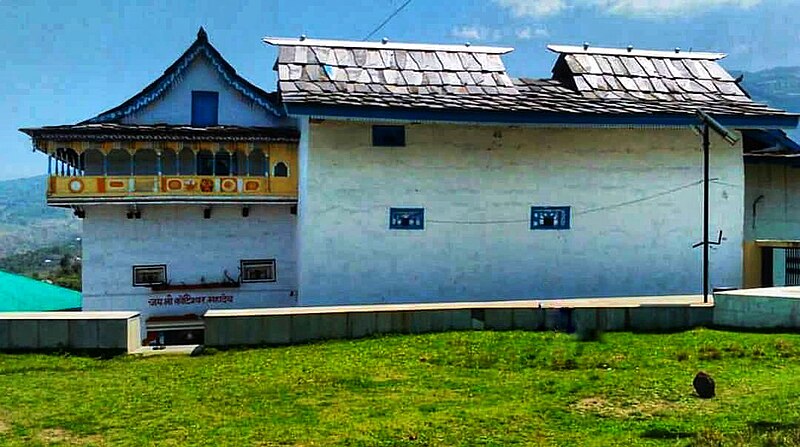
75 190
127 163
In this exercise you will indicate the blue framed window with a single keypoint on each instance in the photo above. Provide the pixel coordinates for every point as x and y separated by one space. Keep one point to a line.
388 136
205 108
550 217
406 218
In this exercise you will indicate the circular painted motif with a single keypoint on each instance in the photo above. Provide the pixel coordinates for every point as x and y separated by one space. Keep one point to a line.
228 185
174 184
75 185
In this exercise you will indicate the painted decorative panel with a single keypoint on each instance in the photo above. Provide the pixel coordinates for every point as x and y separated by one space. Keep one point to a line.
550 218
407 218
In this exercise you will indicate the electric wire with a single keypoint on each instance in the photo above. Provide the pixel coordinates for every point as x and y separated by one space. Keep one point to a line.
387 20
591 210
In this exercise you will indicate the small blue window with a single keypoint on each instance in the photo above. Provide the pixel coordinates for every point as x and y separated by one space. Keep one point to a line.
388 136
550 218
407 218
205 108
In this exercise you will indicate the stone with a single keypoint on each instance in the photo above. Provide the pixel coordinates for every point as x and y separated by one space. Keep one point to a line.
704 385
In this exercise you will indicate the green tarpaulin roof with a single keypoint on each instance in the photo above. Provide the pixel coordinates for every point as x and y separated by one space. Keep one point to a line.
21 294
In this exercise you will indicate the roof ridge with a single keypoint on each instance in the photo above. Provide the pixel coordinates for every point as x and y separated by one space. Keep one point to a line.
305 42
677 53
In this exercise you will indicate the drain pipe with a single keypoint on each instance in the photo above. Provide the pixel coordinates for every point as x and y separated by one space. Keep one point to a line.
755 204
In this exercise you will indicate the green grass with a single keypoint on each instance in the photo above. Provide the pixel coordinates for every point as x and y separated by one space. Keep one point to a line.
469 388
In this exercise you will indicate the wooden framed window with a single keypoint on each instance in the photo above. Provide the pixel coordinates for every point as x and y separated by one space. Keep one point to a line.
280 170
406 218
388 136
258 270
149 275
205 108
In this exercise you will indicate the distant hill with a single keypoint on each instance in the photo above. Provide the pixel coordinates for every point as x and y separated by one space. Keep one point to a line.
57 264
778 87
27 223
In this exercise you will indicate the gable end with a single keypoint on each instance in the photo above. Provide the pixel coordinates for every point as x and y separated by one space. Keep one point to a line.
174 73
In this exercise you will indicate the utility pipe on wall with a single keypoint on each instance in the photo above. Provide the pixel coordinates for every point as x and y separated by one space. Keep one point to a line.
709 123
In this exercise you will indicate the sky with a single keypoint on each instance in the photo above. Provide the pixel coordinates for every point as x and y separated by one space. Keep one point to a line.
66 60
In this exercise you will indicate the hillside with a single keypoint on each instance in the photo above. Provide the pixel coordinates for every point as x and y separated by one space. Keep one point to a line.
26 222
56 264
778 87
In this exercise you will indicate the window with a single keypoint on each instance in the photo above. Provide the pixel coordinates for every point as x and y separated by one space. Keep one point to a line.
221 163
406 218
205 163
258 270
280 170
149 275
388 136
205 108
550 218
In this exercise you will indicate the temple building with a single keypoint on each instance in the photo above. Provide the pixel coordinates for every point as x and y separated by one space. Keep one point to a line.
188 194
384 172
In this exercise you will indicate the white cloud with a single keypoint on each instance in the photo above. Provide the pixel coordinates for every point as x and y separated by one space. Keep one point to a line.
482 33
671 8
476 33
630 8
528 33
533 8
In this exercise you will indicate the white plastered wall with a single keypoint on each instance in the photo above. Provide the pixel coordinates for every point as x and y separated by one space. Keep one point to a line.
473 180
195 250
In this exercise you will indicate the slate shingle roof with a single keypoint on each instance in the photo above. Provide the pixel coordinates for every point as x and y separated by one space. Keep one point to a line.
407 76
609 73
324 69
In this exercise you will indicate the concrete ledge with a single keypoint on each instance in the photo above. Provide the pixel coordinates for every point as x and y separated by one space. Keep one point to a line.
772 308
281 326
118 331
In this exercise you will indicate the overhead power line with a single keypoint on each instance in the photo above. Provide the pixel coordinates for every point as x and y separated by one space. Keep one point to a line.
387 20
580 213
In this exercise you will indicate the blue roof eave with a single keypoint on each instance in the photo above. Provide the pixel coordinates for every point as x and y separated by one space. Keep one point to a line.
542 119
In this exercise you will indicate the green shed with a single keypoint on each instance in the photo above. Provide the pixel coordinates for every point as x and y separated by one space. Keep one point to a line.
22 294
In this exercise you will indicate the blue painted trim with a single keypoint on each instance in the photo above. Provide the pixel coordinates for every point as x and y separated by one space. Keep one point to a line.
565 221
541 118
773 137
394 218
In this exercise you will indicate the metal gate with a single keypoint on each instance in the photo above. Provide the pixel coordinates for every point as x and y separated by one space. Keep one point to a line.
793 266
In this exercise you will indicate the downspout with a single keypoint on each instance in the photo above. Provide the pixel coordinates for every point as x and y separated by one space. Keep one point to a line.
755 204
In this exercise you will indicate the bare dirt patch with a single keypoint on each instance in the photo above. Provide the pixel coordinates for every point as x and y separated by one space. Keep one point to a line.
631 409
5 424
62 436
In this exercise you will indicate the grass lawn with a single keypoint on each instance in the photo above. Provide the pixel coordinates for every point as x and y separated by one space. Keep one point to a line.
467 388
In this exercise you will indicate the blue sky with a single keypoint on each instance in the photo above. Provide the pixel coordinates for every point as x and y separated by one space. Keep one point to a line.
68 60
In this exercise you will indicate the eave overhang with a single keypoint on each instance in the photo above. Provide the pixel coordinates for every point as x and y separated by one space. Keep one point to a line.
534 119
122 132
